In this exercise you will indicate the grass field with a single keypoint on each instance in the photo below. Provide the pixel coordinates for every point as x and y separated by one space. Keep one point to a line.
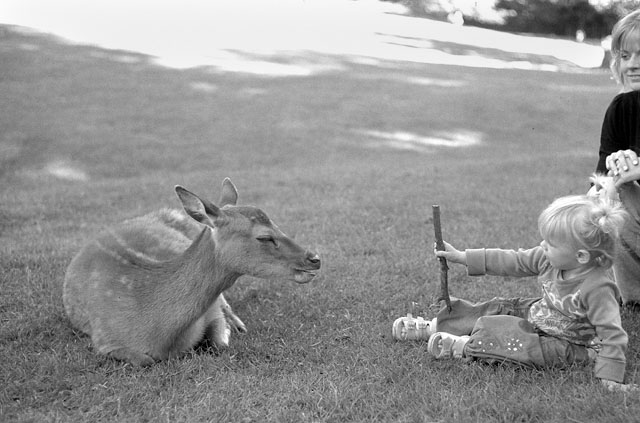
349 162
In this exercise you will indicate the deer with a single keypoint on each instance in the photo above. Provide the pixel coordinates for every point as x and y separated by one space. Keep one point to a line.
151 288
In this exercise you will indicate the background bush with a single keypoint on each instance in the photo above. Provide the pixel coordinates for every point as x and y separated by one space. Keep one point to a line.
552 17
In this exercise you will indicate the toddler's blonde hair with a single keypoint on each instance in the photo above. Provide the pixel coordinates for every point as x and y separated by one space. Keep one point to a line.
622 30
584 222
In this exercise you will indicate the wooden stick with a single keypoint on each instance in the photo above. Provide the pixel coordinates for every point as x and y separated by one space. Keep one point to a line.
444 269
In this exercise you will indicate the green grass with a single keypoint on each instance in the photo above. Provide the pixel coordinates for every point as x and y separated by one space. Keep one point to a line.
297 147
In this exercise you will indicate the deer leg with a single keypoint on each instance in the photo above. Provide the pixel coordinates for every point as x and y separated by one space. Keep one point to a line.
231 317
219 321
218 330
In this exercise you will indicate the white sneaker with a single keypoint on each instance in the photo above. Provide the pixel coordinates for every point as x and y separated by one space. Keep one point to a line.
409 328
444 345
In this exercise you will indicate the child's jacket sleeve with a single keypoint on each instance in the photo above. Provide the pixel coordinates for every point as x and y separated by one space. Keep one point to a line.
497 262
600 301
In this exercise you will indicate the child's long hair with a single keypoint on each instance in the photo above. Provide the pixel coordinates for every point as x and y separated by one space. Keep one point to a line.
584 223
622 30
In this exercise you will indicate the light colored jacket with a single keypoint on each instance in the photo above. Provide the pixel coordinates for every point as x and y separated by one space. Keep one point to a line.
583 310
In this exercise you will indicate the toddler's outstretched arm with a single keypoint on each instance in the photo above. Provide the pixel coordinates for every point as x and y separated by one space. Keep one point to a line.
451 254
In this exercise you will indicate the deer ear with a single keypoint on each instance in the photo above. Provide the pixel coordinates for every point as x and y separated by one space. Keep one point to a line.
198 209
229 193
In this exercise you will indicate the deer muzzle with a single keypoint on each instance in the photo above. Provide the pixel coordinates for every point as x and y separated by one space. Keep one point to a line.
310 269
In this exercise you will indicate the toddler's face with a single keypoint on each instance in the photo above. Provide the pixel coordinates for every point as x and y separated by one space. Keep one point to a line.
630 62
561 257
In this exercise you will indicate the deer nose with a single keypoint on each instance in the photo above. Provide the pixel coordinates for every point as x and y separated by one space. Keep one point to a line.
313 258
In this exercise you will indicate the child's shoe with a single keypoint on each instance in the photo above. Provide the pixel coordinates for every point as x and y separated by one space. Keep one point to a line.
444 345
409 328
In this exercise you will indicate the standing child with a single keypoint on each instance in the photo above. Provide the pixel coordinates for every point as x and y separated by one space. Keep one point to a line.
577 319
619 149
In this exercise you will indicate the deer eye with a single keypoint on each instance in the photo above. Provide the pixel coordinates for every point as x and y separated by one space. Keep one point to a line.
267 239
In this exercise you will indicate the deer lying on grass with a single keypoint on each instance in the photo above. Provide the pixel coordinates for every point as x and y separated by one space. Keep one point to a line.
152 287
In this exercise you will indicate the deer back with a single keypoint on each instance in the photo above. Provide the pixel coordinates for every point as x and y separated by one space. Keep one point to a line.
125 266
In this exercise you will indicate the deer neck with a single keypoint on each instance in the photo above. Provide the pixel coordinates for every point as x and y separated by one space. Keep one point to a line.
200 275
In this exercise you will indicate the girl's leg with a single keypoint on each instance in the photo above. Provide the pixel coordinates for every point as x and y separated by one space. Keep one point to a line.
464 314
513 339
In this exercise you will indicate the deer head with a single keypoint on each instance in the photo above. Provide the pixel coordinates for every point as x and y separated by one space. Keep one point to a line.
247 241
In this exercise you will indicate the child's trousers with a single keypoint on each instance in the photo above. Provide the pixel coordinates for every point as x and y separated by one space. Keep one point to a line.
500 331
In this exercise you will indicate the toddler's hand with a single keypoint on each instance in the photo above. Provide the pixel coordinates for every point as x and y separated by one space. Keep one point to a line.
451 254
619 387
